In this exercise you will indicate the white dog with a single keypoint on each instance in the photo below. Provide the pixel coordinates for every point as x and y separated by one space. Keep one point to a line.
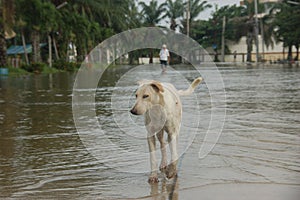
160 104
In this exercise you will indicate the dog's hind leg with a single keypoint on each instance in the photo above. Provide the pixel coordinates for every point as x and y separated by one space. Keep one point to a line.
172 167
164 161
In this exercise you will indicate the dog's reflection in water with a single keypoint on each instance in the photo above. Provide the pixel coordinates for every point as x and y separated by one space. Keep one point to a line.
167 190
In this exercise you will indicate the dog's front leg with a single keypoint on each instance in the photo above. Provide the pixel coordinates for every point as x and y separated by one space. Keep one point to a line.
164 161
153 175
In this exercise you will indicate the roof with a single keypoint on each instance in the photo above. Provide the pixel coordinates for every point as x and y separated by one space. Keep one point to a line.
17 49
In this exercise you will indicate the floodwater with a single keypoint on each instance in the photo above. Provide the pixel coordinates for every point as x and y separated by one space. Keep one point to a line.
257 156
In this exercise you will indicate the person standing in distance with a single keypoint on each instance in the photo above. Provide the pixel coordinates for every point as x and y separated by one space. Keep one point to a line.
164 57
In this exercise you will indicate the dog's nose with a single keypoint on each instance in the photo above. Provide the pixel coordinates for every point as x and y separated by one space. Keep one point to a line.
133 111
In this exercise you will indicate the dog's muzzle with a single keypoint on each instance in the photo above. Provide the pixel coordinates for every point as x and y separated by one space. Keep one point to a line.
133 111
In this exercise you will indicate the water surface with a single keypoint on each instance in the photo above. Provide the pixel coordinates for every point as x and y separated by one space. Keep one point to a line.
257 155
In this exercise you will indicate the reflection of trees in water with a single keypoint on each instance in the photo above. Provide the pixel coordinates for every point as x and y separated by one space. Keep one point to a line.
35 112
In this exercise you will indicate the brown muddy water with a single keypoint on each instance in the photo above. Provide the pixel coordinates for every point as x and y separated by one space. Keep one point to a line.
256 157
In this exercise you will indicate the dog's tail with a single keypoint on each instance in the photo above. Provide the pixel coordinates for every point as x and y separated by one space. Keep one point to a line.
192 87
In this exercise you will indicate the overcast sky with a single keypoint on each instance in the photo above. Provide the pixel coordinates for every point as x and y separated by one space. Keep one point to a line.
220 3
206 14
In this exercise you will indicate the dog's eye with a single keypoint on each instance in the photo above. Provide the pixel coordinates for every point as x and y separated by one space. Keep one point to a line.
145 96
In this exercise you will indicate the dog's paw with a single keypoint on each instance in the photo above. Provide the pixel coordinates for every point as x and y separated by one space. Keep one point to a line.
163 166
171 171
153 179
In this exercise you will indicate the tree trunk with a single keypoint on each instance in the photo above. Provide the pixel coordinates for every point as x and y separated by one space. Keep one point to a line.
249 42
55 48
24 47
297 53
151 56
36 50
290 56
130 57
173 24
80 47
3 61
50 50
216 59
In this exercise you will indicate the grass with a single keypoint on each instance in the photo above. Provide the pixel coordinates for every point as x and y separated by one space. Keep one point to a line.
13 71
50 70
42 68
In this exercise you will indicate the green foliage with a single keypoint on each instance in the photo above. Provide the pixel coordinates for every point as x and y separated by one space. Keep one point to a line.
175 10
14 71
287 25
49 70
38 15
152 13
86 23
196 7
7 13
240 22
67 66
208 33
34 67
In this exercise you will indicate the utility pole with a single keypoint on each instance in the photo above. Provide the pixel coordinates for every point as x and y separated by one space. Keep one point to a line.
187 22
262 38
50 50
293 2
223 39
256 31
188 18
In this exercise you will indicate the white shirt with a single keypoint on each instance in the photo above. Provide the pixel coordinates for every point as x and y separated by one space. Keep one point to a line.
164 54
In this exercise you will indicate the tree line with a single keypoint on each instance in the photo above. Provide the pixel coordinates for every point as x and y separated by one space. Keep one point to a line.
85 23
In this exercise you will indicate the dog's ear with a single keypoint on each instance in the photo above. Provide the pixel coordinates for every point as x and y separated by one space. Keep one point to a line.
157 86
142 82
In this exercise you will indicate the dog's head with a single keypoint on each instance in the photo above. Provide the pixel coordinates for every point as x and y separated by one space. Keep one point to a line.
147 95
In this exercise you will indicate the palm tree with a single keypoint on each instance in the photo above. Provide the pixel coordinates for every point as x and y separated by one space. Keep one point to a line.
287 27
31 16
174 11
133 16
40 18
80 25
267 27
7 10
244 25
88 22
195 9
152 13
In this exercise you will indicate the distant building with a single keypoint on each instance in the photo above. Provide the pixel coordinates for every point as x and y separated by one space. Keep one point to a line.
269 1
261 1
278 52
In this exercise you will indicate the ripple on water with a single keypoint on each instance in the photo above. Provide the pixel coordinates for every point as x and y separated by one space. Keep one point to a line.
257 155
